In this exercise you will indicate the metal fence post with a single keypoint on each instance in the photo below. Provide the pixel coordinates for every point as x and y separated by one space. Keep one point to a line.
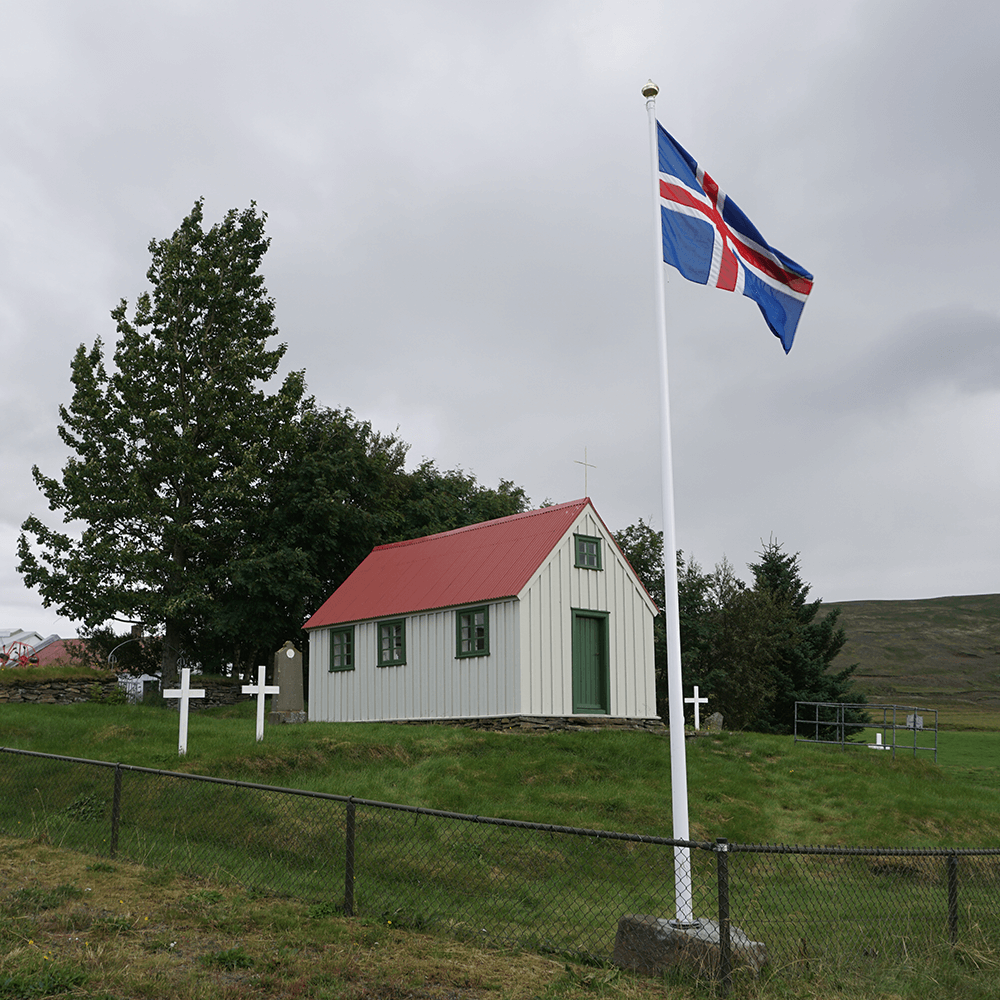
116 809
722 878
349 860
953 898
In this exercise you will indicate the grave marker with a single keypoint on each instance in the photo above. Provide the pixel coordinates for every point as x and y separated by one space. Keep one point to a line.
260 690
698 702
185 692
289 706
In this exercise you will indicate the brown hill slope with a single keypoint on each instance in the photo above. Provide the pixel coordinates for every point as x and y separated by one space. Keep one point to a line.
941 653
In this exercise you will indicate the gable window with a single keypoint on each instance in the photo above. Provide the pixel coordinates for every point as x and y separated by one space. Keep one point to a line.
473 638
342 649
392 643
588 552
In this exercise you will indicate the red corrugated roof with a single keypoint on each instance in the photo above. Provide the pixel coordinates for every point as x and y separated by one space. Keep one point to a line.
479 563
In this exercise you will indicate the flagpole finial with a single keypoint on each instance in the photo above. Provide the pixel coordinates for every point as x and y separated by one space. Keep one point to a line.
650 90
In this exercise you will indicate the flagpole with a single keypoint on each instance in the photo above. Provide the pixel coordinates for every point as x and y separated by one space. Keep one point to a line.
675 692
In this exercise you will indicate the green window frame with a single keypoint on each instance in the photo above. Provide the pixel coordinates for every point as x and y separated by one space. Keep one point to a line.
342 649
392 643
588 551
472 632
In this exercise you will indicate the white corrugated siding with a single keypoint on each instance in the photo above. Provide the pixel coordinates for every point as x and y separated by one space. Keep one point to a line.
547 603
433 683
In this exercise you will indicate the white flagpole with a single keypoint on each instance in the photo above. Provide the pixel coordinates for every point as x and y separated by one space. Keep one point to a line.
675 692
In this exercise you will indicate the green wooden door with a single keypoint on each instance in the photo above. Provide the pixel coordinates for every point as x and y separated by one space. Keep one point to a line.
590 663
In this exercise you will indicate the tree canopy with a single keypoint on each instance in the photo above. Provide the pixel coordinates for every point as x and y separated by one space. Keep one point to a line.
204 506
171 445
753 650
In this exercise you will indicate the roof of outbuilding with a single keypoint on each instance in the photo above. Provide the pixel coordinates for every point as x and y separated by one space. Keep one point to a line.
482 562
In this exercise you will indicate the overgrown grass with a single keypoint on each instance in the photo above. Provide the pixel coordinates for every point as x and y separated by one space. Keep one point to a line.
131 932
128 931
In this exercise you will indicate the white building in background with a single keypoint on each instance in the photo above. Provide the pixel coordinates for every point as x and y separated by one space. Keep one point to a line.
537 614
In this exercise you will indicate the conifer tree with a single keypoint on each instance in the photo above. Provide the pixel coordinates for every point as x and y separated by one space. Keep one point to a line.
754 651
801 664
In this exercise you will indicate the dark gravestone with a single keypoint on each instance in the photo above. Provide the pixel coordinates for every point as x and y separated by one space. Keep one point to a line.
287 705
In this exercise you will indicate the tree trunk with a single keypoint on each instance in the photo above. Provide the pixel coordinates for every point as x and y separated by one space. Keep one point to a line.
169 664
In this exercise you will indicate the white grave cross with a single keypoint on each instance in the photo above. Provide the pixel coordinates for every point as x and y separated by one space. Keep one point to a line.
185 692
698 702
260 690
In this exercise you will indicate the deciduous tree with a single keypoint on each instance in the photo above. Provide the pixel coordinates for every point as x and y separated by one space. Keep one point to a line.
213 512
171 444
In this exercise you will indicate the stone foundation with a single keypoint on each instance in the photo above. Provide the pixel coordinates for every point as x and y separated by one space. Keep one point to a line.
541 724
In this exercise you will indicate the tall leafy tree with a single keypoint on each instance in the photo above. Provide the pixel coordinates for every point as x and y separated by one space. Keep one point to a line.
171 445
329 495
433 500
336 492
216 514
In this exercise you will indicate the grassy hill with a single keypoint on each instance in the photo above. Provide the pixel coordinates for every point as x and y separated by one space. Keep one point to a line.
748 787
942 653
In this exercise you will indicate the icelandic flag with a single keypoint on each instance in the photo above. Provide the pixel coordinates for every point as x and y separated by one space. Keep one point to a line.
709 240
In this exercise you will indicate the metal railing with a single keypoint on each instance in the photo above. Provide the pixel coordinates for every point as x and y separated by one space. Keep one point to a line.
507 882
895 727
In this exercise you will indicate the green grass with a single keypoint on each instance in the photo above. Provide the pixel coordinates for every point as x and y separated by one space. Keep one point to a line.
746 787
532 889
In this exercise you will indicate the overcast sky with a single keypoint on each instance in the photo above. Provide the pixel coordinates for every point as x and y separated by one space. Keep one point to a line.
458 199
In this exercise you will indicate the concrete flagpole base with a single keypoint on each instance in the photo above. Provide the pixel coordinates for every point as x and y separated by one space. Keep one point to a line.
652 945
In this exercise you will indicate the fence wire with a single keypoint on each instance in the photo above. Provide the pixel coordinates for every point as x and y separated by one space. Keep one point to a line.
502 882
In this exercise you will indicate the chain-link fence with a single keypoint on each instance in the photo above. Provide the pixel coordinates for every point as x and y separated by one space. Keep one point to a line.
505 882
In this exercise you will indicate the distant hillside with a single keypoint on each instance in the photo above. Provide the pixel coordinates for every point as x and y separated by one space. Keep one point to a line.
941 653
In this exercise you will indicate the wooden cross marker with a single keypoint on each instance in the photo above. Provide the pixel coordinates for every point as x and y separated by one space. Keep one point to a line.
185 692
697 702
260 690
586 465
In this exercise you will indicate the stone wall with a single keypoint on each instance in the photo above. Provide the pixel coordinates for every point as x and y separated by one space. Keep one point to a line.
216 693
53 692
69 692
